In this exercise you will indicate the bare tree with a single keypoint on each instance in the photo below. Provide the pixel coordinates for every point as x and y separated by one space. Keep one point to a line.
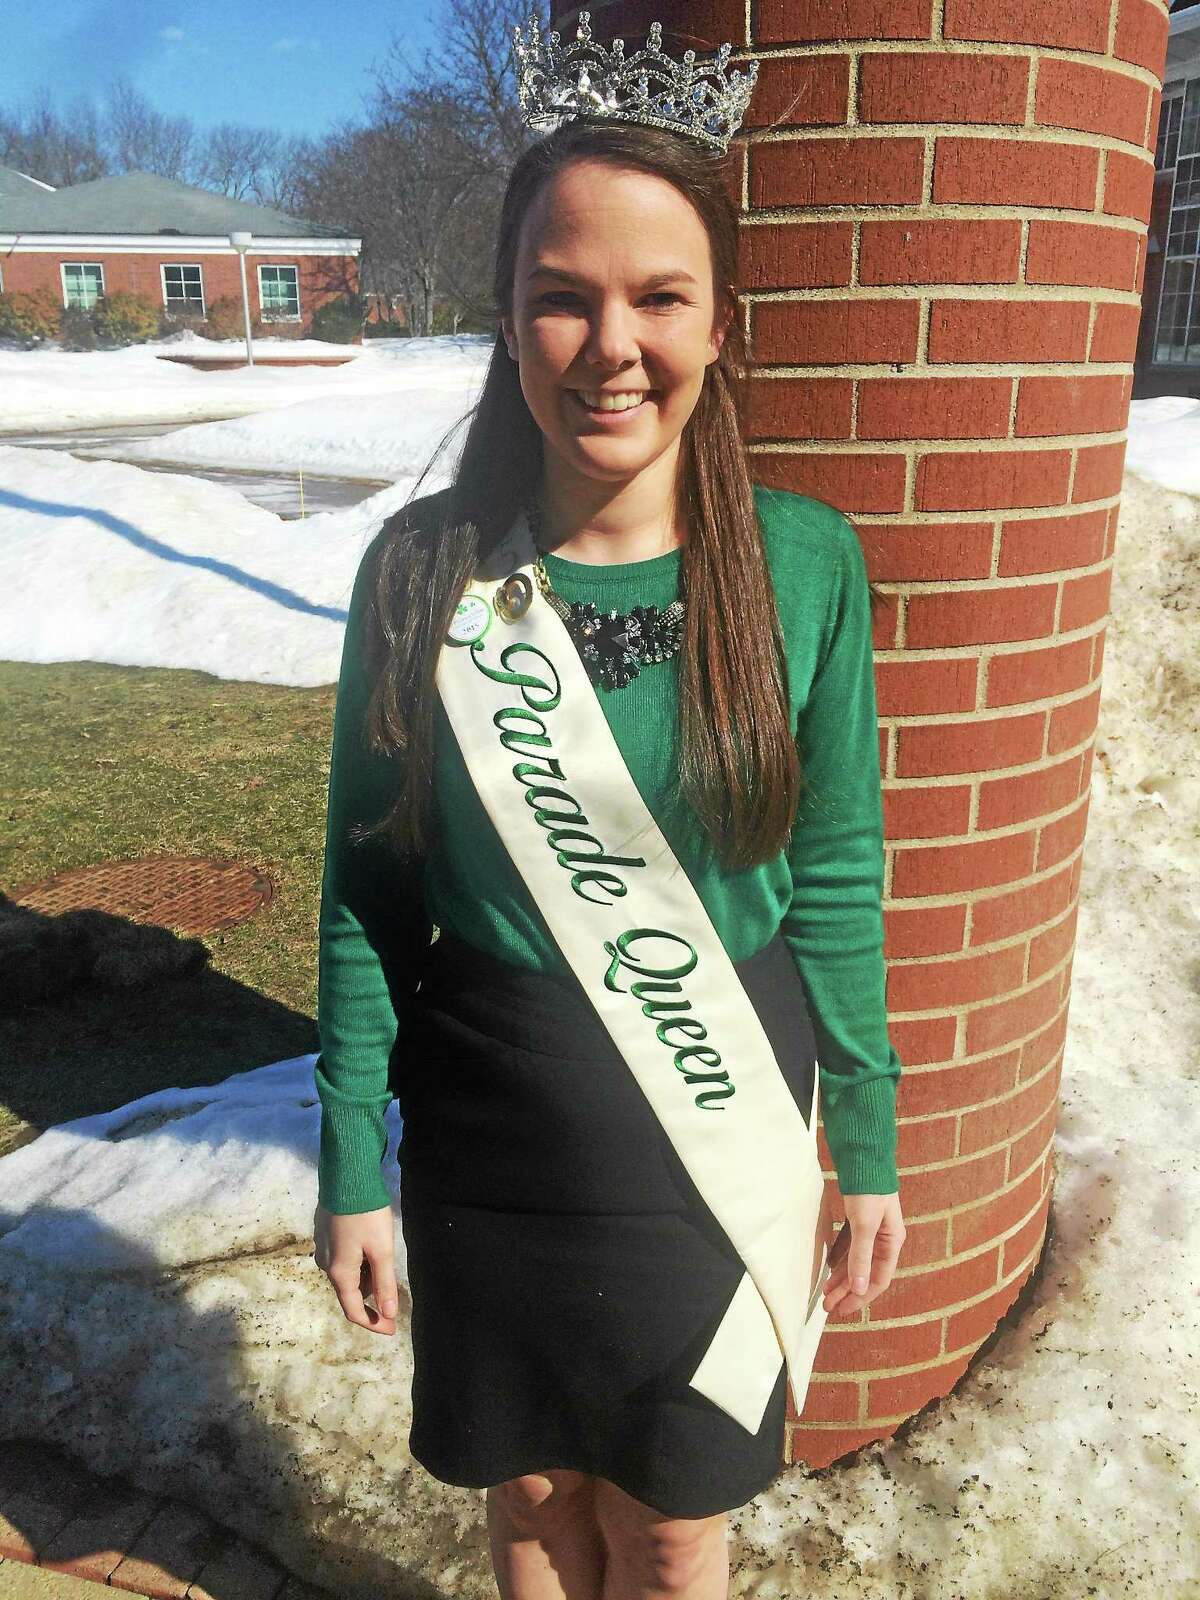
468 248
431 168
444 136
476 56
279 182
237 160
56 148
145 140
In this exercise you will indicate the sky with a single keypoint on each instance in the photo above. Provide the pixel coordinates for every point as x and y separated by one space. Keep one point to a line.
299 66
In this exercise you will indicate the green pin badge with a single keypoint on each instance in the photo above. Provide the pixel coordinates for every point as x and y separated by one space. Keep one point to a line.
472 619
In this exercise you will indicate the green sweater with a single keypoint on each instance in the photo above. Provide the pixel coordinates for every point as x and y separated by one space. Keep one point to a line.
823 892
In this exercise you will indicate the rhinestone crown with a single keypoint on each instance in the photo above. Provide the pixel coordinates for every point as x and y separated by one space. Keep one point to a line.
559 83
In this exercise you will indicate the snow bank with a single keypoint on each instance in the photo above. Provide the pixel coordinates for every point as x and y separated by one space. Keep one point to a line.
61 390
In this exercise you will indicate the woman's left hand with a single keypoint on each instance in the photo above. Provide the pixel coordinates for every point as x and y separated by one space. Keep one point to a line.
877 1233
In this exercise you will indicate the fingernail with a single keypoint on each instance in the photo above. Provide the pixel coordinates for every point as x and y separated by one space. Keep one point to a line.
860 1286
389 1308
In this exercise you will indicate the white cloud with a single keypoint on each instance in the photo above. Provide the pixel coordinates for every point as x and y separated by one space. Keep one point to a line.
173 35
289 42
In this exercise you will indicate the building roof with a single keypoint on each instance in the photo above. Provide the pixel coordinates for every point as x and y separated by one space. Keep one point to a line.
140 203
17 183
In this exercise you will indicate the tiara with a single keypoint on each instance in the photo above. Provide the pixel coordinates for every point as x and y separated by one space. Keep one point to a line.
557 85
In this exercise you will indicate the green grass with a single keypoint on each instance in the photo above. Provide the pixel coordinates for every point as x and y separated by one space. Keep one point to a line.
101 762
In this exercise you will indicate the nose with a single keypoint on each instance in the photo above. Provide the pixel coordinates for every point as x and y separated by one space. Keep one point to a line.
612 342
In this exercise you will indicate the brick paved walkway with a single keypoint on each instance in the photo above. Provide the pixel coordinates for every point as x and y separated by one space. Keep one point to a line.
63 1530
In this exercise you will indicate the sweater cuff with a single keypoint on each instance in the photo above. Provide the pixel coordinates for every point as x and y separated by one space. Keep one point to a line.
860 1129
354 1141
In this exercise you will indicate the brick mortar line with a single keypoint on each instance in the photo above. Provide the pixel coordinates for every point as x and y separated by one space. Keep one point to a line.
853 77
1012 1047
917 1319
991 947
964 1010
1006 1188
911 846
1035 442
1035 61
1018 769
928 1068
883 519
924 319
938 31
1015 399
983 133
969 898
80 1568
941 586
1024 770
976 1250
875 1374
1026 293
962 1013
1111 37
962 1058
943 1263
940 1314
1023 253
978 714
928 155
845 371
1027 51
942 211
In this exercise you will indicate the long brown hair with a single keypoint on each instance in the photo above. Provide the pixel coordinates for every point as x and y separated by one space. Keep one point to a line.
738 766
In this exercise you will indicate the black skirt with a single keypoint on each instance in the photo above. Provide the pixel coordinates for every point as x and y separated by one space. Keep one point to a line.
566 1276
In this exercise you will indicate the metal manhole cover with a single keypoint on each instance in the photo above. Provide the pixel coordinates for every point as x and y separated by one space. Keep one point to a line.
191 894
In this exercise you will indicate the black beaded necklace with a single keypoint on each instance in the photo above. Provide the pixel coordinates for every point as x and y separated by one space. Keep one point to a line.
613 645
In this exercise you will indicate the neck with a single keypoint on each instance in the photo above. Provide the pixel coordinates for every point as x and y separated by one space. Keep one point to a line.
597 523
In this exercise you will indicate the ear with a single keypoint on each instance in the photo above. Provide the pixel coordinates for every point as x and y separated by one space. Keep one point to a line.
510 337
718 338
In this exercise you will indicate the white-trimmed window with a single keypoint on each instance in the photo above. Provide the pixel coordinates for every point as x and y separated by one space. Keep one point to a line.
279 293
1177 335
83 283
183 286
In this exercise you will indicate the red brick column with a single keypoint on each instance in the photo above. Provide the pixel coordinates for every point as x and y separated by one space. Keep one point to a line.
944 239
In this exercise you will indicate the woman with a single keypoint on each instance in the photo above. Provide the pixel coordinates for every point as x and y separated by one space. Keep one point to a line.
565 1273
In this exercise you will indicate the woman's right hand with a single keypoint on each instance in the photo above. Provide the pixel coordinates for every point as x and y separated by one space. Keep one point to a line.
357 1253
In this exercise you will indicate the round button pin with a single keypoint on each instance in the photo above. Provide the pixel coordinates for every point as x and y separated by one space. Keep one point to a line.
471 620
513 596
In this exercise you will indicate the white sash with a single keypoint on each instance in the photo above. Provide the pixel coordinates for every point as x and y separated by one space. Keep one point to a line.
638 937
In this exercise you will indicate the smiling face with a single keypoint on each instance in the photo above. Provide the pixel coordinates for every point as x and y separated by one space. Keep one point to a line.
628 308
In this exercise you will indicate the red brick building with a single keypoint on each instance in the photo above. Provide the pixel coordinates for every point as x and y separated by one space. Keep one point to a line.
168 242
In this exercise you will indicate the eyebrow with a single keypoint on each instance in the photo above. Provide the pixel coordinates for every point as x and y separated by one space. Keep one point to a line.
675 275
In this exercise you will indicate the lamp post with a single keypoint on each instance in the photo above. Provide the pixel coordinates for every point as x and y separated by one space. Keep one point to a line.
241 243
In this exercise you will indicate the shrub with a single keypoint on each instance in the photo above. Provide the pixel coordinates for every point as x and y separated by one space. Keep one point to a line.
225 320
180 321
76 329
29 318
338 321
124 318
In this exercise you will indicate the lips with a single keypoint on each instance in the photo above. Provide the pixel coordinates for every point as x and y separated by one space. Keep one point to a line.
622 411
